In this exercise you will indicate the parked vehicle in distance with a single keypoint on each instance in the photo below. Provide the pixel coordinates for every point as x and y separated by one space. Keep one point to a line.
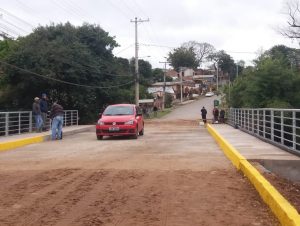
209 94
120 120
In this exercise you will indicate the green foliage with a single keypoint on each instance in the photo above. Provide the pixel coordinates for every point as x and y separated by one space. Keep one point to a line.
169 100
225 63
81 55
271 83
158 75
183 57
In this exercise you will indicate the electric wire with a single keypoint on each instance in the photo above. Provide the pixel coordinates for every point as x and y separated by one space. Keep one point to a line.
17 18
65 82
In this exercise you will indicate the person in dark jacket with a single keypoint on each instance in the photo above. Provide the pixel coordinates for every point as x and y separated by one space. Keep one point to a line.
44 110
203 114
222 116
57 117
36 111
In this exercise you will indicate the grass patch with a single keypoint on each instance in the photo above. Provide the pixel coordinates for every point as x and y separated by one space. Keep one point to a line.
160 113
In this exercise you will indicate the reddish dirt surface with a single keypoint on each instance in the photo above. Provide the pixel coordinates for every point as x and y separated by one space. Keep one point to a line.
289 189
174 175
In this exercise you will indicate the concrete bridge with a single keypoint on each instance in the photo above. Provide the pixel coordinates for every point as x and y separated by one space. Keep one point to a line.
178 173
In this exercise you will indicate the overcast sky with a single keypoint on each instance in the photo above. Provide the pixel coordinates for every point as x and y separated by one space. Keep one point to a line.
240 27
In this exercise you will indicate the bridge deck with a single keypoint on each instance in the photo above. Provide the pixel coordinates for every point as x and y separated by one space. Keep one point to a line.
251 147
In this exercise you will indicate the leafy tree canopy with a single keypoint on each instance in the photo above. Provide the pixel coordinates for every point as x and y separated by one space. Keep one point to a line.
81 55
183 57
271 83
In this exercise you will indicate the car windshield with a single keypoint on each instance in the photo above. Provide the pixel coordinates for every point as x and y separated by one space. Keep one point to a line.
118 110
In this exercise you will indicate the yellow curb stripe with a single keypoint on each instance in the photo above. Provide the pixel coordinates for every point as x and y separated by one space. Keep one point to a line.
283 210
5 146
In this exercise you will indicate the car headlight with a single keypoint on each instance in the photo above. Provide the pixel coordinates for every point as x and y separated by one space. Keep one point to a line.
100 123
130 122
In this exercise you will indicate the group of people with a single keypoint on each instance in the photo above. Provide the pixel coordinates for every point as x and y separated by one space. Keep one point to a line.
218 116
40 112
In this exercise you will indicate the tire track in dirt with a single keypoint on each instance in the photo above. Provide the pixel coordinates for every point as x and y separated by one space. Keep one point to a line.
36 207
40 196
70 198
32 185
128 197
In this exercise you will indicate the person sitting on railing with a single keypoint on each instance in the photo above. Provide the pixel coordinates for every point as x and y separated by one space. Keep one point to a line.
57 117
36 110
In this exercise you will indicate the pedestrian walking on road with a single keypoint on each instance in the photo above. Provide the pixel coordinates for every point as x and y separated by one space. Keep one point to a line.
36 111
44 110
57 118
203 114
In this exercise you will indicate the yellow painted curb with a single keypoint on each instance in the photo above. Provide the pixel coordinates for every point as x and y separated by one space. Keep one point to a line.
283 210
5 146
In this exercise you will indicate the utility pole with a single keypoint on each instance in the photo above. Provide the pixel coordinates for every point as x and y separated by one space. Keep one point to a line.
217 76
181 71
137 77
164 86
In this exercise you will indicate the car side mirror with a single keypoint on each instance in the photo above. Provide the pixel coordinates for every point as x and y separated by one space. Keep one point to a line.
100 115
139 114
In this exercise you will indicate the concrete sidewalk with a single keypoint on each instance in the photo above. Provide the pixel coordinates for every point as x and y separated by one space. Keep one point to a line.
251 147
15 141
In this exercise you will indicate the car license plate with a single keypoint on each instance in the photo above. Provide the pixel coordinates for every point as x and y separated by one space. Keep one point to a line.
113 129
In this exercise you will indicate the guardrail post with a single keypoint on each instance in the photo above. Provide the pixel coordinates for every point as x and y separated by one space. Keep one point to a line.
19 122
6 124
65 118
294 130
272 124
248 120
30 122
281 127
252 112
264 123
71 118
77 119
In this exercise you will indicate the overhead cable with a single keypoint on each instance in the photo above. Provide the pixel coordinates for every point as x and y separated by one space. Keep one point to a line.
65 82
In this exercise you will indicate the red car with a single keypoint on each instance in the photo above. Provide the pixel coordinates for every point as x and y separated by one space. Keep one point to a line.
120 120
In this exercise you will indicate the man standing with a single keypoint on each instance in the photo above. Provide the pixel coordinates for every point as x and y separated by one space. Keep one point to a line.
203 114
36 110
44 110
216 115
57 117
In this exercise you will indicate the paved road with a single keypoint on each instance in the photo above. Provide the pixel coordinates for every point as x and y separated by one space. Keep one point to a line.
192 111
174 175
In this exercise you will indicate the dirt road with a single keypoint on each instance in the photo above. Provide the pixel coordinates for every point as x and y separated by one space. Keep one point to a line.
174 175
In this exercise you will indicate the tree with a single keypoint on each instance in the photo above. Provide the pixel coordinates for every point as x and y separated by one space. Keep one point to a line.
224 62
63 52
271 83
292 10
202 50
183 57
158 75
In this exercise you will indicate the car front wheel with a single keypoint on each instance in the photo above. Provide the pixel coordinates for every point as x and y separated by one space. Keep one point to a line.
141 133
99 137
135 136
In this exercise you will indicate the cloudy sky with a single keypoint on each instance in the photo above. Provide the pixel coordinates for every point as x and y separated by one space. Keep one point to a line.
240 27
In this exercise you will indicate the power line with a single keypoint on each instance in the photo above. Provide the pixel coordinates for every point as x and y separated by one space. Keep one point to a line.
8 29
11 24
124 49
65 82
17 18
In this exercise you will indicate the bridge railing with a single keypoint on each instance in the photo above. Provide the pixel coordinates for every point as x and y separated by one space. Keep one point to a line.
17 122
277 126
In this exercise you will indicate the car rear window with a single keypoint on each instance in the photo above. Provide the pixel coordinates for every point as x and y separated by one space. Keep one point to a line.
118 110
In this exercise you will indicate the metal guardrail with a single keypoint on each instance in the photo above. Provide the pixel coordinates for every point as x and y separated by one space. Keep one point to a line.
18 122
280 127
